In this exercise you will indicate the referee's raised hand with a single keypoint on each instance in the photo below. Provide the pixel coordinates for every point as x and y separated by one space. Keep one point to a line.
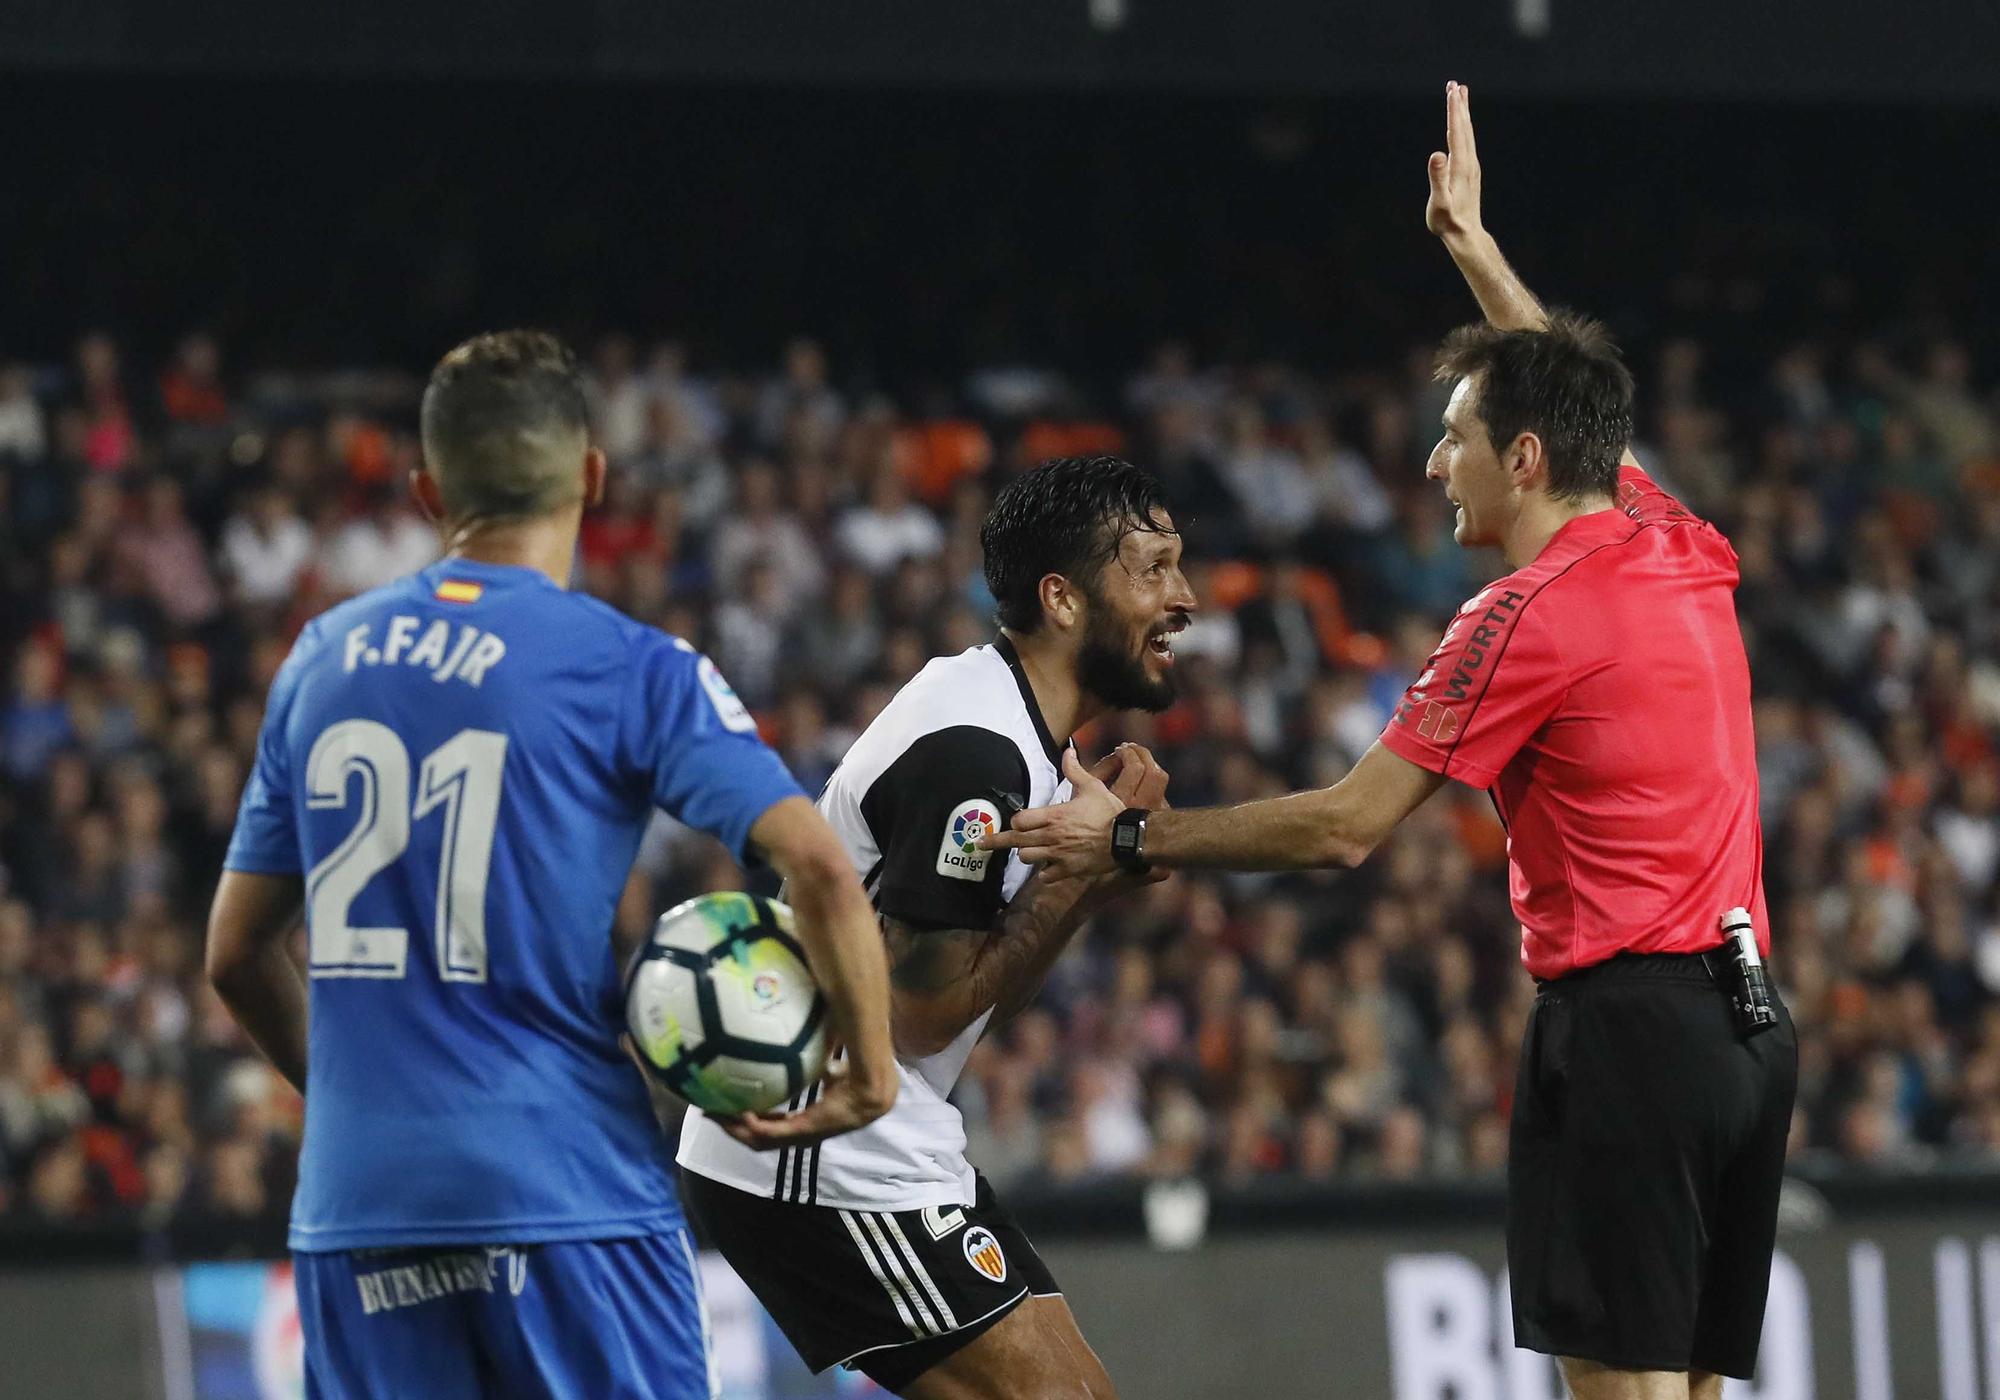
1453 214
1453 210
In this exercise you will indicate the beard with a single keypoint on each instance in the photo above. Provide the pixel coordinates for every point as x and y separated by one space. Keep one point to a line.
1110 667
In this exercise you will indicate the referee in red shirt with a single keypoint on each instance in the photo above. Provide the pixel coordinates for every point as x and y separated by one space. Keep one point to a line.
1601 694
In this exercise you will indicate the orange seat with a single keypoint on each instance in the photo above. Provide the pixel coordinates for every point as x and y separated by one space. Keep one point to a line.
1044 439
1234 582
936 456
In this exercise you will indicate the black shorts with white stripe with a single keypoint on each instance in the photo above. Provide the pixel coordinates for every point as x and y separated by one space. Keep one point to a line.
798 1167
886 1293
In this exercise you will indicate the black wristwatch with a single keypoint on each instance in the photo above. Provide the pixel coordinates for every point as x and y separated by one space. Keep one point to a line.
1128 840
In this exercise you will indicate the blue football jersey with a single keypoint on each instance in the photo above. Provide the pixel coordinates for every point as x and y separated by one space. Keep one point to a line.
461 765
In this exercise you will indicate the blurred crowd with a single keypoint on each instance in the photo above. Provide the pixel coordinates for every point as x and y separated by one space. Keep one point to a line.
166 527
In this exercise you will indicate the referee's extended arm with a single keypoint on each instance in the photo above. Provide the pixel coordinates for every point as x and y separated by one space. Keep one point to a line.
1335 826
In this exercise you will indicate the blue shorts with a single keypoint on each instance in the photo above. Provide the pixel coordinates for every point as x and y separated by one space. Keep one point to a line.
591 1320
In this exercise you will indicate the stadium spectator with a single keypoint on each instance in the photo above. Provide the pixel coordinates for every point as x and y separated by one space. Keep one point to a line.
23 426
266 548
168 560
191 390
384 542
888 527
1271 485
799 398
760 530
621 400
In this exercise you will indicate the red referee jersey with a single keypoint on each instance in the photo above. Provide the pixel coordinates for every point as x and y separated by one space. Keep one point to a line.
1601 693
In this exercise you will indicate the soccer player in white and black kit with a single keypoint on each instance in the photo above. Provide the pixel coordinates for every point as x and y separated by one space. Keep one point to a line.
885 1250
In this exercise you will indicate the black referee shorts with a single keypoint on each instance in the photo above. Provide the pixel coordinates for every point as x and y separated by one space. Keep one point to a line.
1647 1149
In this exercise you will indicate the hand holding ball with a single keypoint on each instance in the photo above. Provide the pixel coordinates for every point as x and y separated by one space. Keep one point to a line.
723 1007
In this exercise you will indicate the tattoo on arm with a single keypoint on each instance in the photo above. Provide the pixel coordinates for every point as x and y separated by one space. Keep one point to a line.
945 979
925 962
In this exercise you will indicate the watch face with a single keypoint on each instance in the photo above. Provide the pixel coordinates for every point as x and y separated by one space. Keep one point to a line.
1128 839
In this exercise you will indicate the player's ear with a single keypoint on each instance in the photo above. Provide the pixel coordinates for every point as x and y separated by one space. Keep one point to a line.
593 477
424 491
1060 602
1526 462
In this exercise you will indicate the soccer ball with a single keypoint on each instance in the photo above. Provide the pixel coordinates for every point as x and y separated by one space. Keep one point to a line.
723 1007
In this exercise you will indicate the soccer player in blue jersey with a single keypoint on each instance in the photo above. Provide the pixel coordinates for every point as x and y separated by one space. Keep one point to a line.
451 783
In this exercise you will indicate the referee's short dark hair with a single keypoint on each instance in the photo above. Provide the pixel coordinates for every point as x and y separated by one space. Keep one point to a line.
1566 385
1066 516
505 426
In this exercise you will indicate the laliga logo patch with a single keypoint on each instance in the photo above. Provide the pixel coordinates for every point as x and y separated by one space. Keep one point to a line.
968 827
766 987
728 708
959 855
982 1251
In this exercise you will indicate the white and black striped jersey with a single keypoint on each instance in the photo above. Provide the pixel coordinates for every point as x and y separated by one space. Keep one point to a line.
959 745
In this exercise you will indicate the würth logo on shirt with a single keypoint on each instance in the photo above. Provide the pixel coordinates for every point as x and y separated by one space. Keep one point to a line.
1467 652
1467 643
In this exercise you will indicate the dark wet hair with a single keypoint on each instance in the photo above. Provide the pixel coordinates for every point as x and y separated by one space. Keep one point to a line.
1066 516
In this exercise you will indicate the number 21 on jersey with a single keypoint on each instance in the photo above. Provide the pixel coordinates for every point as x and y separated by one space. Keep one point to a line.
462 776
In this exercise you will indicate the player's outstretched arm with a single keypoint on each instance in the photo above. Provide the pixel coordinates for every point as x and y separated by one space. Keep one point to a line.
836 923
252 971
1336 826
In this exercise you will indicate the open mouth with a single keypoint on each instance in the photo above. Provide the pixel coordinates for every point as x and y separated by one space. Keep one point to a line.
1161 641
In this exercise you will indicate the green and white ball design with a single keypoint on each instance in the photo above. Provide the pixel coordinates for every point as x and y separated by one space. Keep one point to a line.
723 1007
